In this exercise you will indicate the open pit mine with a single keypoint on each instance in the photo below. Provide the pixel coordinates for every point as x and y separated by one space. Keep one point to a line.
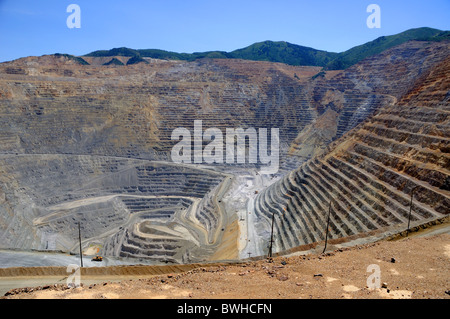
363 153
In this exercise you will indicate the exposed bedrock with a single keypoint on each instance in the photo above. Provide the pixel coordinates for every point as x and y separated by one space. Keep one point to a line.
50 195
369 178
90 145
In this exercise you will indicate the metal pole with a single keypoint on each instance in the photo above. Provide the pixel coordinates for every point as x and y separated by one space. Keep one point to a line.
328 224
79 238
271 237
410 209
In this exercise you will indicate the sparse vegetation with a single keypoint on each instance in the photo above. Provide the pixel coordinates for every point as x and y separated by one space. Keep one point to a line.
113 61
72 57
135 60
320 74
358 53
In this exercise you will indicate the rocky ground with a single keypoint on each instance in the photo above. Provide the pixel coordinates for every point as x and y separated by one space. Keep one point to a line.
416 267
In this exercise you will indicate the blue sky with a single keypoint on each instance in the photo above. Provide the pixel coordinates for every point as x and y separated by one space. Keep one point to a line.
37 27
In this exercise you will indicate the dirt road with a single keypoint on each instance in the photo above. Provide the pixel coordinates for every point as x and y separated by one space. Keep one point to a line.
413 267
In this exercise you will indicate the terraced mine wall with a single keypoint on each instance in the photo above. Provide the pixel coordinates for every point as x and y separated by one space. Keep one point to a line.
394 163
109 197
91 145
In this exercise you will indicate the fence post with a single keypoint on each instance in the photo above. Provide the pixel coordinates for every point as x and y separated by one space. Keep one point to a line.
79 238
328 224
410 209
271 236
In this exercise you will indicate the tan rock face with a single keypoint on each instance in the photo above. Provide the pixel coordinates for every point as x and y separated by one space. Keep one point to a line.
92 144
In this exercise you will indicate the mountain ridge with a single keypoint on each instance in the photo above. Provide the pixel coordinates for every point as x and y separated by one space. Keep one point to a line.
288 53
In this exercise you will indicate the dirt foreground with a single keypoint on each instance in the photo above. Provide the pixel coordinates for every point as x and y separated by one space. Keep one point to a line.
414 267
